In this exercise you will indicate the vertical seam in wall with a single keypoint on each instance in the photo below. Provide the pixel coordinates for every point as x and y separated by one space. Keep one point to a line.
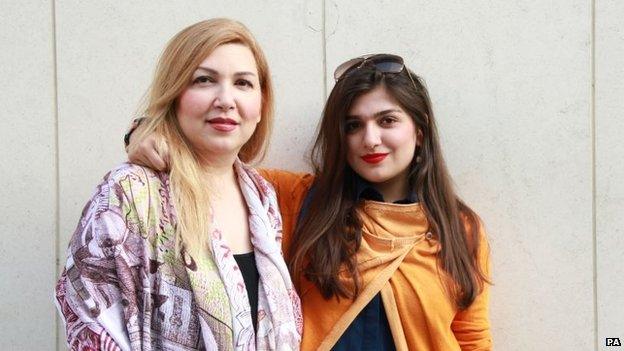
56 165
593 173
324 32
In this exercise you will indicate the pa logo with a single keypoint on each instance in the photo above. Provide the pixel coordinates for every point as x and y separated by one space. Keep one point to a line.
613 342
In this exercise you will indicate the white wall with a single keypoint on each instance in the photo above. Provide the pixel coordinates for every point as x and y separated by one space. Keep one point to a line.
609 167
28 176
532 146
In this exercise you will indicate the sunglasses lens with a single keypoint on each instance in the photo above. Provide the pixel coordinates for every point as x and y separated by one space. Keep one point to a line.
343 68
389 66
385 63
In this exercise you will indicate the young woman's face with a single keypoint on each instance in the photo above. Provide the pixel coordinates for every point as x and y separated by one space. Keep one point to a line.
381 139
219 110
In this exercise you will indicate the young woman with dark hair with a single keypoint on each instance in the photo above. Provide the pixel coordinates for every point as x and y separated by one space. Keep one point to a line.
382 221
385 254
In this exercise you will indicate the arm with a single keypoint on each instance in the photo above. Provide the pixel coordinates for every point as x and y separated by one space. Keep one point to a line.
96 278
472 326
81 335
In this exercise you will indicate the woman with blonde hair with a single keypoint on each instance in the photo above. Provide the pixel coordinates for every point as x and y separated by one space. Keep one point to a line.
191 258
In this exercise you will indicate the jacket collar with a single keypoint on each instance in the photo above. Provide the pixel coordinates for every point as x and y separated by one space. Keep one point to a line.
364 190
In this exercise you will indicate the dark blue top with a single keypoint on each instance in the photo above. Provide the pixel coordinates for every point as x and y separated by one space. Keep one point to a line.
370 329
365 191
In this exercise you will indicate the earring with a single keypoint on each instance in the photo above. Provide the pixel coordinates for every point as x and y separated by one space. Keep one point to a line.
418 159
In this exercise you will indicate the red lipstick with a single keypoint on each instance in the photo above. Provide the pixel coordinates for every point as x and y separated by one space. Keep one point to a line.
223 124
374 158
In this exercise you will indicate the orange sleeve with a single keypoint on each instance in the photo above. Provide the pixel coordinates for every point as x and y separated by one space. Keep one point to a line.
472 326
291 189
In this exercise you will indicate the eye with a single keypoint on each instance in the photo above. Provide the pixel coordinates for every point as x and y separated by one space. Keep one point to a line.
244 83
203 80
351 126
387 121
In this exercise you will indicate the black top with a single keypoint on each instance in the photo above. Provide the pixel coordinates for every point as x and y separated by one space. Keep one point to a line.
247 264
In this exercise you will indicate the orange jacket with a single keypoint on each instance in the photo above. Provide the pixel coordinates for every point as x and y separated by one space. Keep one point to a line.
397 258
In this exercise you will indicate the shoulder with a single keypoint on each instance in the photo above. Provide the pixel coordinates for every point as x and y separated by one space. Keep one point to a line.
119 209
135 177
288 181
290 187
128 186
477 239
129 172
473 224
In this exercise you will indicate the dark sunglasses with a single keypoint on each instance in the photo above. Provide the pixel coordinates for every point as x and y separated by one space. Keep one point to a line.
384 63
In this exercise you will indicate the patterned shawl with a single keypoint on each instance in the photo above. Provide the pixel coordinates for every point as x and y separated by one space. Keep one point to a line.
124 288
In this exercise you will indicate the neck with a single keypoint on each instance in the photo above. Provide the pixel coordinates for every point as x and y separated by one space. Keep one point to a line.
394 189
218 168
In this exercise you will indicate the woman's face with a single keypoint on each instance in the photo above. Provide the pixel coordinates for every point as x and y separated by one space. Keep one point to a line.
381 139
219 110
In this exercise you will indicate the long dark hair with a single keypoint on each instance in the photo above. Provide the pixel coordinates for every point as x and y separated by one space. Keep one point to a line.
327 238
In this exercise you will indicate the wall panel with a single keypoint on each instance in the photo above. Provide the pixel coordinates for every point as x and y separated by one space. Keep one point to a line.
609 169
28 205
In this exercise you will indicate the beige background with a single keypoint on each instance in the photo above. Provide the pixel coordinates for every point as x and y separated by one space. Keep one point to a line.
527 94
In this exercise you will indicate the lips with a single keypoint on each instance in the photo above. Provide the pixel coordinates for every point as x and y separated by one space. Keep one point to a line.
223 124
374 158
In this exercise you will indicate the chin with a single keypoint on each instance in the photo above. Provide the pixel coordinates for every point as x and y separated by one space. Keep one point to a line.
221 148
373 177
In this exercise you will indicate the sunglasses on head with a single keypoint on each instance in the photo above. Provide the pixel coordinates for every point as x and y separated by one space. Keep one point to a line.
384 63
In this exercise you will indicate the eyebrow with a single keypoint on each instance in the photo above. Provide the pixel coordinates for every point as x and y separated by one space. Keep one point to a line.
377 114
212 71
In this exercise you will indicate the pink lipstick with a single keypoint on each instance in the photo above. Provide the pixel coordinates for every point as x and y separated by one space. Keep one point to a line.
223 124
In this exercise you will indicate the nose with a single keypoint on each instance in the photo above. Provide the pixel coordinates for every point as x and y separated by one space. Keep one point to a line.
225 98
371 137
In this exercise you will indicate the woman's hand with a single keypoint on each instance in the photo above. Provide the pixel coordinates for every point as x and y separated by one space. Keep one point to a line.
152 151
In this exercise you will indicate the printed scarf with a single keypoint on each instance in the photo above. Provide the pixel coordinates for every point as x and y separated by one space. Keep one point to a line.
279 311
124 287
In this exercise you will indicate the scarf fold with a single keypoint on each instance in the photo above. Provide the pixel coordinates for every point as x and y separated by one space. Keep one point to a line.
279 310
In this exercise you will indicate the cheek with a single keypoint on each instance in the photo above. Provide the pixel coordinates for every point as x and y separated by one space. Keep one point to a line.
190 103
251 107
405 140
352 150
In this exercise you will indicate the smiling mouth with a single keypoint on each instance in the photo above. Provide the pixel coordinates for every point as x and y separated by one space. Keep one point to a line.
220 120
223 124
374 158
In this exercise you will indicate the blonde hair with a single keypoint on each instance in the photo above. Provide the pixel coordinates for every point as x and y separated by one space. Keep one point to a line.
180 58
